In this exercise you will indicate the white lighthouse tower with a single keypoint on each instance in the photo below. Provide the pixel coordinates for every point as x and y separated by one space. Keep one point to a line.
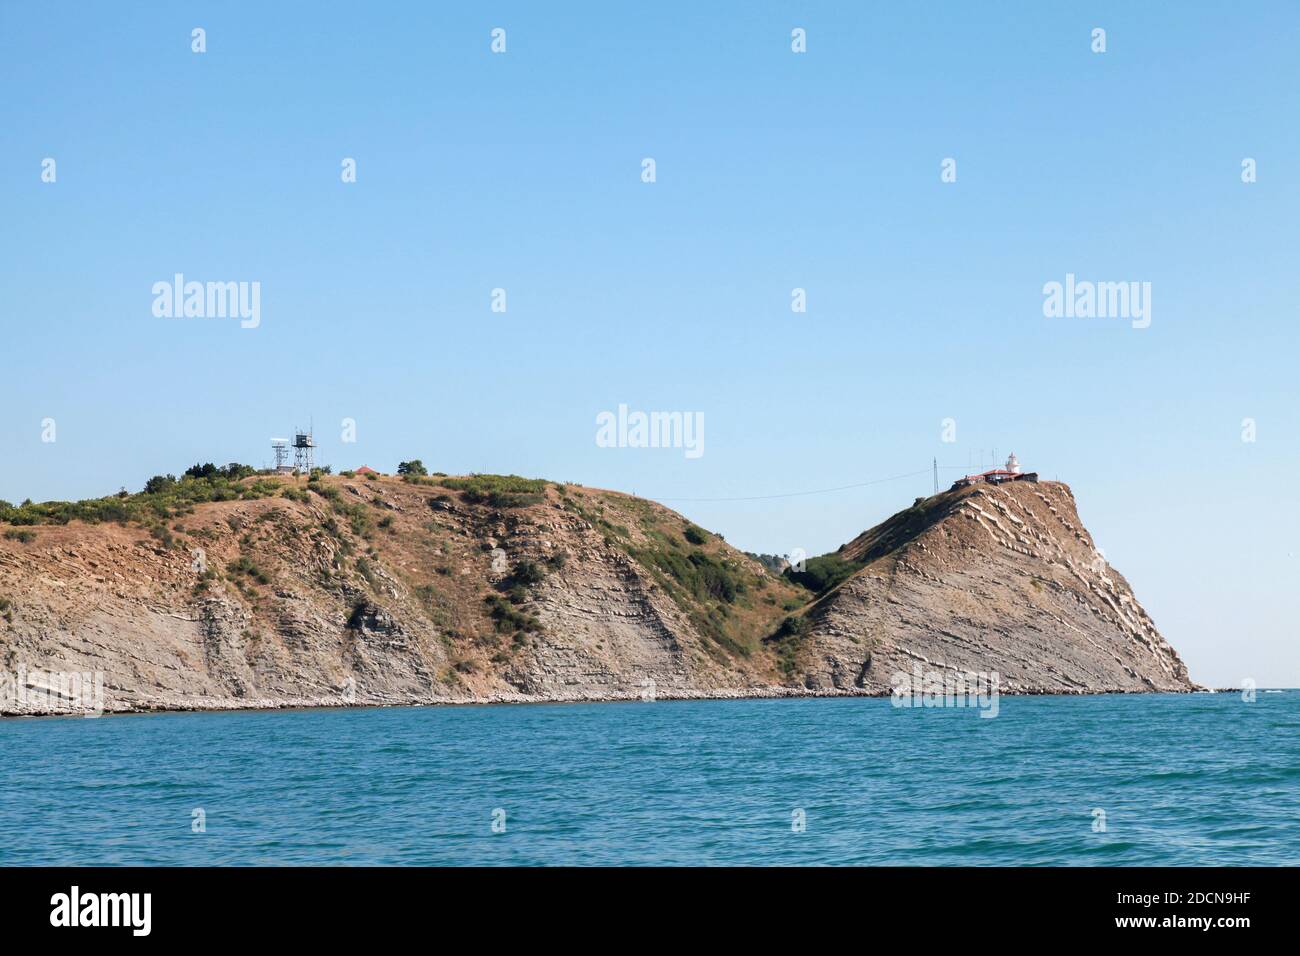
1013 465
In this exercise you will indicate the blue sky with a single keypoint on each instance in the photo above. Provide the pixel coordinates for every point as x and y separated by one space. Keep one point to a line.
775 170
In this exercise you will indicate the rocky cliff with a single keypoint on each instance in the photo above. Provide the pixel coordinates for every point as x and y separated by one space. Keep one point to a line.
374 590
987 579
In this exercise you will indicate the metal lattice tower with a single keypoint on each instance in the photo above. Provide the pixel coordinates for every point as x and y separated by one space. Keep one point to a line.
303 445
280 448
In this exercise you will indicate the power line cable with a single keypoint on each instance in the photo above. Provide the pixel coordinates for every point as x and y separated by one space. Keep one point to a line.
819 491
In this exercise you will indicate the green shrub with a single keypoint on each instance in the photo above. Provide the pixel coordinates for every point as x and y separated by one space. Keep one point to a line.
166 499
367 572
262 488
358 517
787 641
245 566
486 484
231 472
498 491
797 627
159 483
703 576
528 573
823 573
504 499
694 535
508 619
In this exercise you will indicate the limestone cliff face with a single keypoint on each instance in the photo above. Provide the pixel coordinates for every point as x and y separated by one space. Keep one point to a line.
983 579
386 592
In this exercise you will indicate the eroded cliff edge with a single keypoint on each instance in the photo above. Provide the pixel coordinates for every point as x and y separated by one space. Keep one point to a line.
988 579
374 590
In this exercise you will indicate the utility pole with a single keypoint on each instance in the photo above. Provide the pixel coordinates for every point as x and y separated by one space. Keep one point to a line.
936 475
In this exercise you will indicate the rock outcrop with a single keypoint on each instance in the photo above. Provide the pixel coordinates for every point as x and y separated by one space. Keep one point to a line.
986 579
382 591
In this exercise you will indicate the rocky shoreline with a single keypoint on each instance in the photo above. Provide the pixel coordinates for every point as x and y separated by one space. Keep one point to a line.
753 693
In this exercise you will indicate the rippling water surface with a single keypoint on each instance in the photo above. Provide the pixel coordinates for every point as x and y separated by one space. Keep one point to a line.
1183 779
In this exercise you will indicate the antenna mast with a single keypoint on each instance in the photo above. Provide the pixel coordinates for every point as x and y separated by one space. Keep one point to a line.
280 447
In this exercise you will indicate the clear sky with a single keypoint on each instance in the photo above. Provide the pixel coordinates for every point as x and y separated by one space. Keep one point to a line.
774 170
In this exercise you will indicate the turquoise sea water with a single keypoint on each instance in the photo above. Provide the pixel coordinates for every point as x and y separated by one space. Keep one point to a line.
1183 779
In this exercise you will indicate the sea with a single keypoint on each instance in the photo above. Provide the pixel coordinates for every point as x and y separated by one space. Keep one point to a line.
1180 779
